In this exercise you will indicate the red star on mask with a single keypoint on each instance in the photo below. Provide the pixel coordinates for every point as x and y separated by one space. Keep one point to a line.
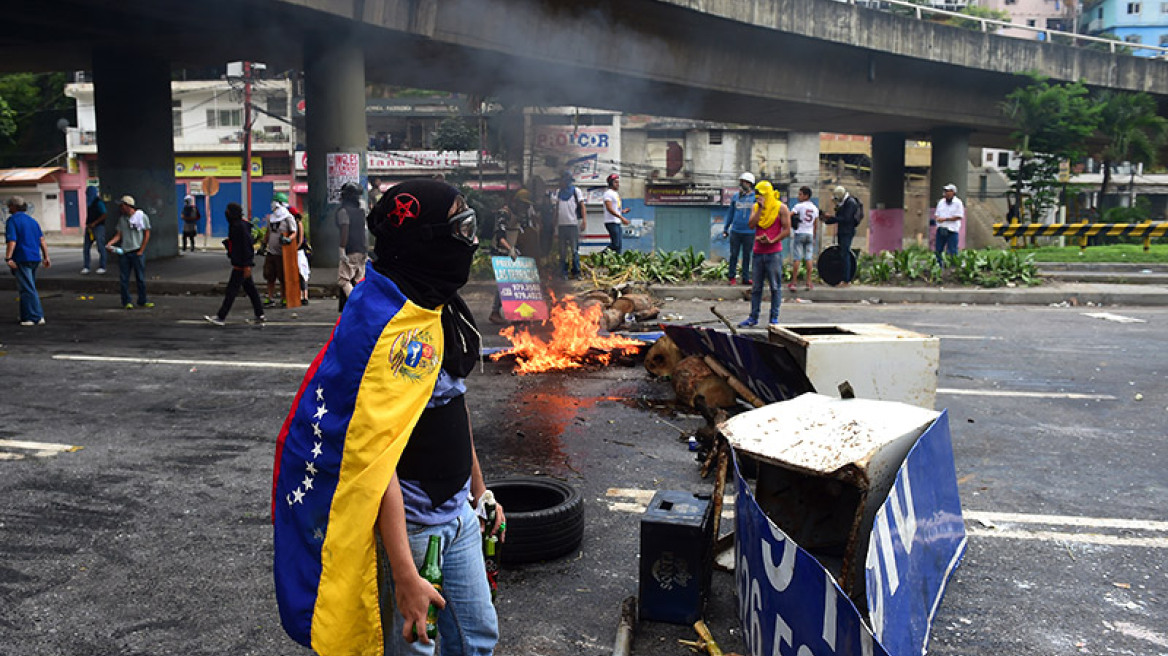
405 207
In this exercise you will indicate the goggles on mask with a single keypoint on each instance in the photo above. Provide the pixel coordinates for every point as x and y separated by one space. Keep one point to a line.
463 226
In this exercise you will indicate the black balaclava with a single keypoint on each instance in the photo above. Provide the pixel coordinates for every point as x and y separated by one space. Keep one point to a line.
416 249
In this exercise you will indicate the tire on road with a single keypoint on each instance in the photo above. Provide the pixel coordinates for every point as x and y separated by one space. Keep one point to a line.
545 518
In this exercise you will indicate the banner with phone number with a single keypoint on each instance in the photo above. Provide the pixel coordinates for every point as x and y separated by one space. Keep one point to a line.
790 605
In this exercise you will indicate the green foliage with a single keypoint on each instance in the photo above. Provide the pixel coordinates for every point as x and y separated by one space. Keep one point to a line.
1109 253
608 268
1132 128
455 134
30 106
1052 123
977 11
1138 214
983 268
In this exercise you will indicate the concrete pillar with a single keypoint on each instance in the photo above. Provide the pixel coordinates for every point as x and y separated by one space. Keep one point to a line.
334 96
803 160
950 164
135 140
886 206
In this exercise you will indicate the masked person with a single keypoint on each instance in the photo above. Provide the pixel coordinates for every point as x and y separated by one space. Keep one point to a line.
771 222
241 253
378 445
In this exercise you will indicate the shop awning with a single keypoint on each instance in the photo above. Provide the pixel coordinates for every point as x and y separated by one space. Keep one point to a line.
27 176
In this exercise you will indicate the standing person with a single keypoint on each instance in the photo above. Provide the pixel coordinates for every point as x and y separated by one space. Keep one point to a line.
570 223
190 219
133 233
949 213
527 237
503 245
350 219
379 437
771 221
241 252
848 215
94 229
24 251
804 216
303 253
737 228
374 192
280 230
614 214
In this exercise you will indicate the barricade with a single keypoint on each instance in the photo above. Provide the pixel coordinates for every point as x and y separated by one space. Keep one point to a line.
1147 230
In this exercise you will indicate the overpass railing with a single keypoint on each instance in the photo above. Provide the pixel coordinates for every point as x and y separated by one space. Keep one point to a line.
985 24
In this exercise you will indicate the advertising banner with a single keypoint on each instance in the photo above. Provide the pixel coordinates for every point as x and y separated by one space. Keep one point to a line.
342 168
415 160
519 289
590 152
213 166
683 195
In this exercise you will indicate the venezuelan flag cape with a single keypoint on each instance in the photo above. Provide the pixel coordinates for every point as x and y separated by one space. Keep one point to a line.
335 456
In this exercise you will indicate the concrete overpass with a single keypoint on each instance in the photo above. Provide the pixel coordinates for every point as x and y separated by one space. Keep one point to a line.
814 65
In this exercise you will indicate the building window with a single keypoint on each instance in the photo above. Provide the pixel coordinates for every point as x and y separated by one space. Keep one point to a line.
1164 40
715 137
176 117
1003 160
1030 22
224 118
1133 38
1164 7
278 104
277 166
1133 7
1011 2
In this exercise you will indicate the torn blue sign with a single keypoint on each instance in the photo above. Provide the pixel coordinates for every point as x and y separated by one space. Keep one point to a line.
790 604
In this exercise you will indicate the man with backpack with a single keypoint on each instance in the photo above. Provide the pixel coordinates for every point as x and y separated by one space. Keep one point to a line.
570 222
849 211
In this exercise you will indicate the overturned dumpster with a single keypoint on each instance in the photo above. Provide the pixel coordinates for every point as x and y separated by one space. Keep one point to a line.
849 532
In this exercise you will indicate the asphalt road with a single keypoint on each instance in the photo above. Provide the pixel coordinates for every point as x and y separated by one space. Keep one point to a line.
153 538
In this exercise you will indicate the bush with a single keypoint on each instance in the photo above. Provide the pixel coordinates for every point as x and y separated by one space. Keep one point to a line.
608 268
914 265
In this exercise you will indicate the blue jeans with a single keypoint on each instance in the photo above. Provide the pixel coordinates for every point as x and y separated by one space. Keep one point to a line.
946 241
137 262
468 624
570 249
99 240
30 301
769 266
741 242
615 234
845 246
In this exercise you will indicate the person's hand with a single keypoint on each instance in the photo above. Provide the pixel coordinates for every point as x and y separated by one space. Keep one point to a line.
413 596
513 253
625 210
500 526
12 264
46 262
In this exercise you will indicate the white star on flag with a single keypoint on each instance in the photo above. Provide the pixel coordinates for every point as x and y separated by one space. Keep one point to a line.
299 496
318 535
316 450
321 411
319 393
316 429
307 483
310 467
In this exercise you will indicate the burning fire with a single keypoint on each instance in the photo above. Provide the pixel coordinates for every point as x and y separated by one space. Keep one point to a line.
575 342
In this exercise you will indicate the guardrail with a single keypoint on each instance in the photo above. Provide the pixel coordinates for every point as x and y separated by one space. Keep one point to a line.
985 23
1148 230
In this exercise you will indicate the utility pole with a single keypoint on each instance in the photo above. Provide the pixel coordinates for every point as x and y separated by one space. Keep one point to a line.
245 178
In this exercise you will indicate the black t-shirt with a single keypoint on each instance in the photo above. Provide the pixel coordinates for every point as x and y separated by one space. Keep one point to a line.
355 219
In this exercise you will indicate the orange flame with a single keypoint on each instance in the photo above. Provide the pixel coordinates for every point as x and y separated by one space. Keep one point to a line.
575 342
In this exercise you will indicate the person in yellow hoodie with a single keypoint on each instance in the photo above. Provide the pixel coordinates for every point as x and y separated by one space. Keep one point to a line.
771 221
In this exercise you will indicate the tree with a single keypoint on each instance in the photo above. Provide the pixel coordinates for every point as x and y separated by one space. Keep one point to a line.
1133 130
1052 123
453 134
31 104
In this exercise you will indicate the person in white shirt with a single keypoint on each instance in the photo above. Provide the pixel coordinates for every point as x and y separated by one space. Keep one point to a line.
570 222
804 216
614 215
948 215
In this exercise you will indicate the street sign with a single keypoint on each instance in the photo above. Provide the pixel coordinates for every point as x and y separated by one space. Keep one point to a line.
519 289
210 186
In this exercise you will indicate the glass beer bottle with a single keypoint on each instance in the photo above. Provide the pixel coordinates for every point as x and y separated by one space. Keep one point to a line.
432 573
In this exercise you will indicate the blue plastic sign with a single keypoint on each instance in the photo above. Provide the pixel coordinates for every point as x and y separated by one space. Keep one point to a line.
917 540
790 605
767 369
